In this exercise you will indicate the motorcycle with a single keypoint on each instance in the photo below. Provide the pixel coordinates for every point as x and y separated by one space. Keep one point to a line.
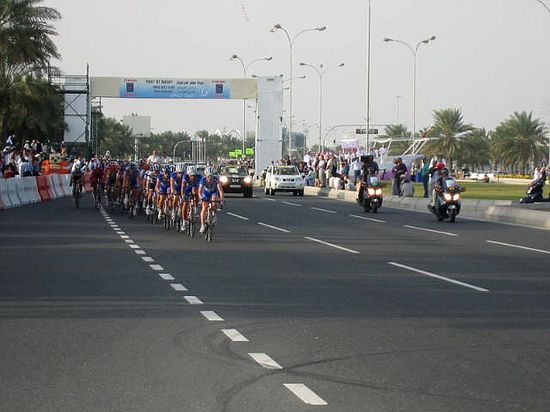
535 192
372 194
447 201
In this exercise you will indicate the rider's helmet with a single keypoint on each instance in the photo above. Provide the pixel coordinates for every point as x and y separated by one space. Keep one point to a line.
209 171
192 171
167 170
156 168
179 168
444 172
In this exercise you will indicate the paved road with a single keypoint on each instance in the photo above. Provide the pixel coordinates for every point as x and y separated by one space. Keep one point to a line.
299 304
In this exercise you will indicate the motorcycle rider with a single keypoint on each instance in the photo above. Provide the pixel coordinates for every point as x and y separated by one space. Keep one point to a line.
369 169
440 185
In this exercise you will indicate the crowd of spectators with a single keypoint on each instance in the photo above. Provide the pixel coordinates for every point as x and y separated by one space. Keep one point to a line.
25 159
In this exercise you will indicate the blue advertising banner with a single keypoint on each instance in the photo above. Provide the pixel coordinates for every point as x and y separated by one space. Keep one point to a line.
163 88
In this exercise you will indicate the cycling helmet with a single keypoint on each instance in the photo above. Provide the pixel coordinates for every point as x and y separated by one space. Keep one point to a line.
166 169
179 168
209 171
156 167
192 171
444 171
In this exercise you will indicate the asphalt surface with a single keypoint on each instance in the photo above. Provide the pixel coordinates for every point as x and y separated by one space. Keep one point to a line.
399 313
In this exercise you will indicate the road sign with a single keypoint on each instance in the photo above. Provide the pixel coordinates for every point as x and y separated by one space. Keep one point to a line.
232 155
364 131
238 152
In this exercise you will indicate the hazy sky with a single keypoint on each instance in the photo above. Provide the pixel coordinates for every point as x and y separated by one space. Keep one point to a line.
491 57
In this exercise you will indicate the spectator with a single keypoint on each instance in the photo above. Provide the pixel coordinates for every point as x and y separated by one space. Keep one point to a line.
355 170
10 171
425 172
399 172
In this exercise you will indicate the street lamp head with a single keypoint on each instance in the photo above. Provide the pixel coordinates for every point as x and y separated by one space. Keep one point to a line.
276 26
268 58
387 39
303 64
234 57
432 38
322 28
341 64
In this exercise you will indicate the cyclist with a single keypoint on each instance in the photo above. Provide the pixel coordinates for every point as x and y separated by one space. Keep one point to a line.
150 186
190 190
132 184
110 179
76 178
210 190
163 189
119 183
175 187
96 177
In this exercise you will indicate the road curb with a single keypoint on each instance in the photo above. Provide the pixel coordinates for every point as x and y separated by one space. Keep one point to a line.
505 211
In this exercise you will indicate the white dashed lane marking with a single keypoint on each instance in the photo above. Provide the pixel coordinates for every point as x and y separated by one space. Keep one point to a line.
178 287
274 227
129 241
124 237
193 300
518 246
211 316
166 276
322 210
148 259
433 275
368 218
238 216
265 361
234 335
430 230
291 204
134 246
139 252
332 245
305 394
156 267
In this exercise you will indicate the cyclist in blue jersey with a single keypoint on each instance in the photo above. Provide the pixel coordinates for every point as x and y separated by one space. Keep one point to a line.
210 189
190 191
163 189
132 183
175 187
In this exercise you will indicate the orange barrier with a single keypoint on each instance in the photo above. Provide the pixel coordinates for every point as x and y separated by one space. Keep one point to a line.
44 188
60 168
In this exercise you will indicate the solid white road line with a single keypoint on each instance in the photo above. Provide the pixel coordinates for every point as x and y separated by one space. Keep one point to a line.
430 230
274 227
433 275
148 259
368 218
305 394
156 267
178 287
166 276
518 247
322 210
129 241
139 252
234 335
238 216
134 246
193 300
211 316
265 361
291 204
332 245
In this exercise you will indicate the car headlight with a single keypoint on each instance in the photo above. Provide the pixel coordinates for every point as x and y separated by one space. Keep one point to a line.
224 179
456 196
248 179
379 192
371 191
448 197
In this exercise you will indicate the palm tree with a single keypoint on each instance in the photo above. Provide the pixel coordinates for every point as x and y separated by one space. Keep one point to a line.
26 47
474 150
449 129
520 139
395 131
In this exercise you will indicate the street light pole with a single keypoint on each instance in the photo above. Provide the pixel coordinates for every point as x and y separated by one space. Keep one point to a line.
367 115
321 70
245 69
414 52
291 41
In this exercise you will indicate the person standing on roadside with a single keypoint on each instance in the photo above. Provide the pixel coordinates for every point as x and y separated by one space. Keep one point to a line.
425 172
399 171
